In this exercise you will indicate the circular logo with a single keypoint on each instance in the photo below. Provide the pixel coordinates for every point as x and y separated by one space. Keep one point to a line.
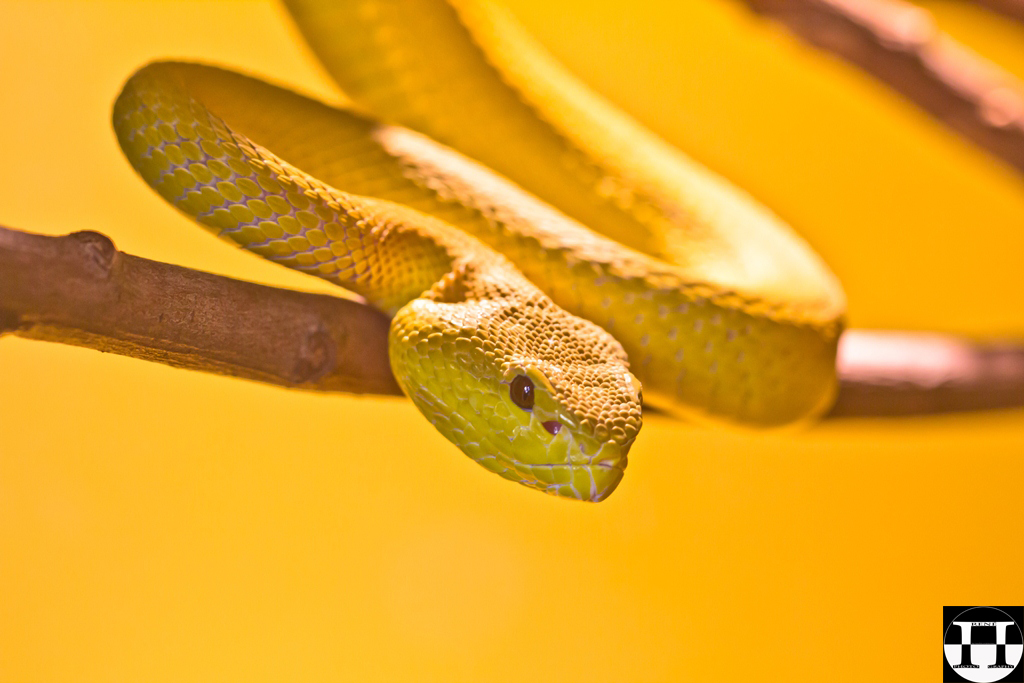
983 644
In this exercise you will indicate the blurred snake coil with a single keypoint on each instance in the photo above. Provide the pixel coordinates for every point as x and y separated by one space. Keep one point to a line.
529 307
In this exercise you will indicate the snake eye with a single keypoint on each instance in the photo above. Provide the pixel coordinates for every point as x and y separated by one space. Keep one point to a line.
521 392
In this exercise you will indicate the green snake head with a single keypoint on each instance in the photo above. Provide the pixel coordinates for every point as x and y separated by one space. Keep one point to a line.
527 390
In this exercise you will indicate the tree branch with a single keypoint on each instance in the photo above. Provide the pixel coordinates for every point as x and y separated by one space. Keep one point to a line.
900 44
894 374
1010 8
78 289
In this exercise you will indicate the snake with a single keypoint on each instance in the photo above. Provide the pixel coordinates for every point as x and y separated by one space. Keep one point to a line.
549 265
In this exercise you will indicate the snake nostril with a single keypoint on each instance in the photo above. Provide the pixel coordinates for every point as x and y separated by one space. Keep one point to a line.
553 426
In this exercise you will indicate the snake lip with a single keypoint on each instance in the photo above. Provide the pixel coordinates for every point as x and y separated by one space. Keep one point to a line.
604 479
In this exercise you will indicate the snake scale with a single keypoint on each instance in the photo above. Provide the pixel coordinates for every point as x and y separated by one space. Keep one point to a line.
528 308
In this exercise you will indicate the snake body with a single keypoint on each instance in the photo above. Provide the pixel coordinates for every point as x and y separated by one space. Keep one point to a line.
467 327
734 318
721 311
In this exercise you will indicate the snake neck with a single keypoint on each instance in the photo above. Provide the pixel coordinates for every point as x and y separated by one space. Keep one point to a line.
388 253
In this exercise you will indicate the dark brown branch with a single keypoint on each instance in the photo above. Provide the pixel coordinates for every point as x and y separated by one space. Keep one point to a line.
893 374
900 44
1011 8
80 290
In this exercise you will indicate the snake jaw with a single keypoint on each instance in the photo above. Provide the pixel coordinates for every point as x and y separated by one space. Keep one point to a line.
585 459
571 463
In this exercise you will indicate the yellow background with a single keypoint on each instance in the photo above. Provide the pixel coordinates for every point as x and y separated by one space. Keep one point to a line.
160 525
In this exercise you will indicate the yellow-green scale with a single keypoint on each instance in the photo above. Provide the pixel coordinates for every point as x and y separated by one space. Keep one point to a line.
407 61
465 73
250 196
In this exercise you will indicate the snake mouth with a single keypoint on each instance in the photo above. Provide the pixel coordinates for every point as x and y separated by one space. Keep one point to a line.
605 480
588 483
591 480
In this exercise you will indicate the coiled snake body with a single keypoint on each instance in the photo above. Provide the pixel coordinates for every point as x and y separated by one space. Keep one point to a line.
716 307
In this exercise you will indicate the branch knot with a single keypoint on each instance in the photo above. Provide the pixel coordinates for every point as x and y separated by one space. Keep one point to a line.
98 249
317 355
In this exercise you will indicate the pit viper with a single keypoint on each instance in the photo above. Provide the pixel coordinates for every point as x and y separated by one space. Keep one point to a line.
548 263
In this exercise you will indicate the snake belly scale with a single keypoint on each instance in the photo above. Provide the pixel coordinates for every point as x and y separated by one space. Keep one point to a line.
719 310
